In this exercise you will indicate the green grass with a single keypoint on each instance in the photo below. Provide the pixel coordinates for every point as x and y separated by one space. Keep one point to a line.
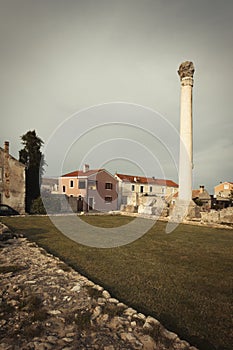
184 279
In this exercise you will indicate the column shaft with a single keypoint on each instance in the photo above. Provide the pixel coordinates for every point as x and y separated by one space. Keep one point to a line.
186 144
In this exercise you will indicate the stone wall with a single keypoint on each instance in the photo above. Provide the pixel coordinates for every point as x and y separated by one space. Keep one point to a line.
224 216
12 184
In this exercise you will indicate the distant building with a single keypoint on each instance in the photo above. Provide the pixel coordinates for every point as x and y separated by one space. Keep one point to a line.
92 189
202 198
223 189
223 195
132 187
49 185
12 180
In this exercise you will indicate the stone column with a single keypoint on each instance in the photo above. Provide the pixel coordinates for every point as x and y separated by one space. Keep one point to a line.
186 71
184 207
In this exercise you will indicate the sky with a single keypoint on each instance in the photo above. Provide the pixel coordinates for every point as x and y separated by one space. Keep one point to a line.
97 80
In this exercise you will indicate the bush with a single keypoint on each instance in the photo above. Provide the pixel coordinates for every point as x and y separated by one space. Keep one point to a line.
37 206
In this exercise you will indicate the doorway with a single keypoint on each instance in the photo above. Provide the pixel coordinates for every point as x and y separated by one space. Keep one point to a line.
90 203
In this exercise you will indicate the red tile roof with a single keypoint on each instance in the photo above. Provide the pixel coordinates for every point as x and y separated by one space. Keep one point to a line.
77 173
146 180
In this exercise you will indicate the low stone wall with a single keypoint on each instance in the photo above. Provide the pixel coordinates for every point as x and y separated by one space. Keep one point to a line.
224 216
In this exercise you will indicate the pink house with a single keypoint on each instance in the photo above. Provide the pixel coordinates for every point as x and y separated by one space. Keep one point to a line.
94 189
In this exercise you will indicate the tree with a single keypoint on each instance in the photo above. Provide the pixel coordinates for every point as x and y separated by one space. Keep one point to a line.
33 158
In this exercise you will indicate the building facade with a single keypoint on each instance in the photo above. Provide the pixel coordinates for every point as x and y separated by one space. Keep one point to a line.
91 189
224 189
202 198
12 180
49 185
131 188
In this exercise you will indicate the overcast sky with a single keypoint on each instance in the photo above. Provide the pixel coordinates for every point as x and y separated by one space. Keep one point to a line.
59 57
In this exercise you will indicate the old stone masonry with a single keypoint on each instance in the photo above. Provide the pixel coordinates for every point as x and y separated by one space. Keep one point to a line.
46 305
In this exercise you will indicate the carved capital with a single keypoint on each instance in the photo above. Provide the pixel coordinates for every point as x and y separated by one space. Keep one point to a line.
186 70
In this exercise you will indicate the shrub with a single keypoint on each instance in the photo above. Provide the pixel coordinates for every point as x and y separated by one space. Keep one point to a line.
37 206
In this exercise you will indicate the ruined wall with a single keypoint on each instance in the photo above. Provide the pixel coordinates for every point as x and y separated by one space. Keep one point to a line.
12 182
224 216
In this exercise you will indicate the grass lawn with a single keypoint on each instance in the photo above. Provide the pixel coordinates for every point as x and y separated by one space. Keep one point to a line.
184 279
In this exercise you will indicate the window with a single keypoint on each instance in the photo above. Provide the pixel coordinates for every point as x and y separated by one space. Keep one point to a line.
82 184
63 188
163 190
71 183
141 189
226 187
1 174
108 186
108 199
133 188
151 188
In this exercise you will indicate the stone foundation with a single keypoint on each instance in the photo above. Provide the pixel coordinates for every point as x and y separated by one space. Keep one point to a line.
183 210
224 216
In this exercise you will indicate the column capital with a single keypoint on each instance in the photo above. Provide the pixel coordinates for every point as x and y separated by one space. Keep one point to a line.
186 70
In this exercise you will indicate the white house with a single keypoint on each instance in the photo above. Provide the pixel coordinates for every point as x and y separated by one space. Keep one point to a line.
131 188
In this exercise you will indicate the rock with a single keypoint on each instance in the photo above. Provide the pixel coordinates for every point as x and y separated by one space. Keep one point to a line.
153 321
168 335
30 282
89 283
133 324
113 301
147 342
54 312
52 339
97 287
130 312
101 301
76 288
141 317
147 327
121 306
102 319
180 345
41 346
70 335
109 347
106 294
128 337
116 323
96 312
68 340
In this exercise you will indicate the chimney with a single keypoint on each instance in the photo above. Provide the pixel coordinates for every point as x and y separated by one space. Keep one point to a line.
85 168
202 188
6 147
